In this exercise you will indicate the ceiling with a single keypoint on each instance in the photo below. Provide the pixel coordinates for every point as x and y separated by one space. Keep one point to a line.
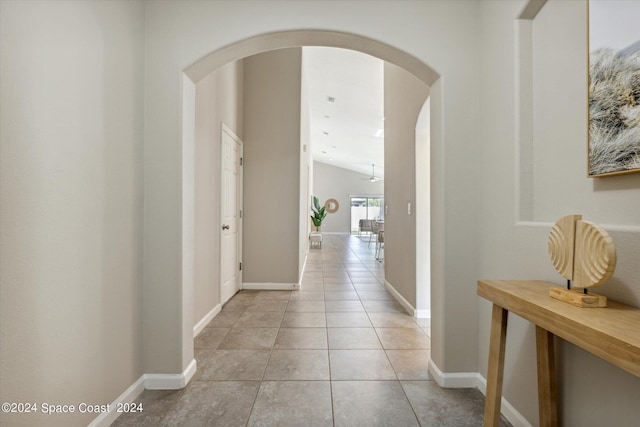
345 93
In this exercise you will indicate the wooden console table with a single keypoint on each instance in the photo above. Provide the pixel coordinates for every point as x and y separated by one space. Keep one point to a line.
611 333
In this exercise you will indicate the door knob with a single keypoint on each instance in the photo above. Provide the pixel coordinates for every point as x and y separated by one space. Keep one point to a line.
225 227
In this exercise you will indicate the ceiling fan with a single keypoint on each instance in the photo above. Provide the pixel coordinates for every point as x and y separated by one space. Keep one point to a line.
373 177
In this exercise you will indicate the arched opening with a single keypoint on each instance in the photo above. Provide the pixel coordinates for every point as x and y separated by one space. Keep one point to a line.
423 212
274 41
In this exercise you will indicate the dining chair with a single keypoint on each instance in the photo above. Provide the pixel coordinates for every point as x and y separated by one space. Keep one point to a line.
380 244
364 225
374 230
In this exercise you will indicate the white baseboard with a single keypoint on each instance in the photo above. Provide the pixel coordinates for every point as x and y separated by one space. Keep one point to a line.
403 302
304 266
510 413
475 380
453 380
129 395
337 233
170 381
149 382
419 314
423 314
271 286
206 319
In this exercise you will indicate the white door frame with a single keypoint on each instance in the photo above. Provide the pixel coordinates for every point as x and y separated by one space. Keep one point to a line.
239 205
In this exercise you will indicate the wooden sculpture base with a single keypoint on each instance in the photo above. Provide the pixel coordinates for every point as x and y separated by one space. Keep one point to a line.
578 298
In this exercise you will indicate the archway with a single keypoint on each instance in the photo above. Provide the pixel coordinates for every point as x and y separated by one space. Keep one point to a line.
423 209
273 41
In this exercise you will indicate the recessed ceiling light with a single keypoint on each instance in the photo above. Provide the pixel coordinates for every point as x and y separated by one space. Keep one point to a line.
324 152
331 98
325 132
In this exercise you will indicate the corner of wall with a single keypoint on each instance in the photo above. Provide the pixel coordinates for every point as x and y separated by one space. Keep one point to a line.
475 380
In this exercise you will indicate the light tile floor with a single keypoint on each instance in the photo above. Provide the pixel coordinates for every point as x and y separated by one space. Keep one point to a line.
338 352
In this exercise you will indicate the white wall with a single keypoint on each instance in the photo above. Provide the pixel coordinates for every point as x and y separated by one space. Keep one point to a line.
218 100
82 81
272 167
404 96
71 132
592 392
332 182
423 211
306 172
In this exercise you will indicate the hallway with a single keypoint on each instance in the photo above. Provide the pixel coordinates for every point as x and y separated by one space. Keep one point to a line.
340 351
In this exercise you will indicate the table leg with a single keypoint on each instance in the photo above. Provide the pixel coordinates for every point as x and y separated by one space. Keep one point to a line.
496 366
547 392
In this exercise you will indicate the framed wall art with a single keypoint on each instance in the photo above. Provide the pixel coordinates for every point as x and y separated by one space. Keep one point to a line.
614 87
332 205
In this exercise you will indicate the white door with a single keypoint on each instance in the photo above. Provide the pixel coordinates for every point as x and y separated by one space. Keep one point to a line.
230 215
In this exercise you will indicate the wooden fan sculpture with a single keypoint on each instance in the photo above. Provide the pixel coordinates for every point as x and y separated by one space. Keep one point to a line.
584 253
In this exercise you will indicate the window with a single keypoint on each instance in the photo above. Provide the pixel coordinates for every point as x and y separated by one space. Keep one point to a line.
365 207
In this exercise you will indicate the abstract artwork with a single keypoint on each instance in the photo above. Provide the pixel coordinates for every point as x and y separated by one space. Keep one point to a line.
614 87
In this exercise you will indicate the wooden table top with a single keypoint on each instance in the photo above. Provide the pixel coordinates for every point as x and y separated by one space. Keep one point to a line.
611 333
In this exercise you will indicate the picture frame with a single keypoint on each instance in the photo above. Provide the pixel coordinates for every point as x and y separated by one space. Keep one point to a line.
613 146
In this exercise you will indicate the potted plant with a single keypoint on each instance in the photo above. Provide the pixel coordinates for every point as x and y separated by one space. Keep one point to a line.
319 213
